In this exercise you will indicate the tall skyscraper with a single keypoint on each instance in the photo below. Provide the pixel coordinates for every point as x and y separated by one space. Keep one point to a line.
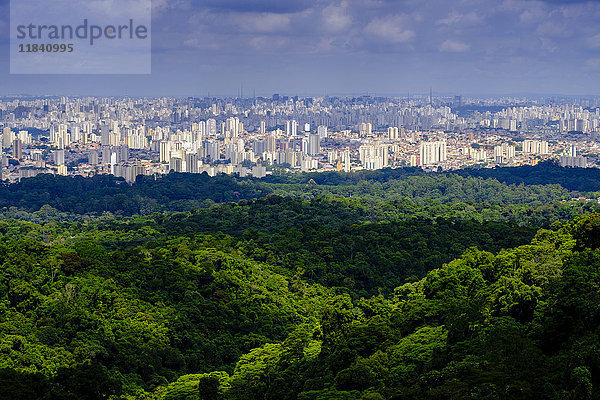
17 149
345 160
58 157
270 143
191 163
374 156
7 137
176 164
432 153
291 128
165 151
314 144
535 146
211 127
322 131
365 129
93 158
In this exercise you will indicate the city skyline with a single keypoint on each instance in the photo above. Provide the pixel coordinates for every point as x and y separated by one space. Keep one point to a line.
349 48
128 137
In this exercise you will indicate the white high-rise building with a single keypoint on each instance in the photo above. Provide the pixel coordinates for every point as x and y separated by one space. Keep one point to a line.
76 134
24 137
432 153
365 129
104 135
211 126
291 128
322 131
7 137
345 160
93 158
373 156
573 161
504 151
232 127
535 147
314 144
165 151
58 157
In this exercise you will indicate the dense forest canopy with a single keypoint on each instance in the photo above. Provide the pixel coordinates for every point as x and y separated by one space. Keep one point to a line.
390 284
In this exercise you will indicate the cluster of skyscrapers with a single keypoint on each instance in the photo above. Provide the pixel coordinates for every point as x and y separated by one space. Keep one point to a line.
131 137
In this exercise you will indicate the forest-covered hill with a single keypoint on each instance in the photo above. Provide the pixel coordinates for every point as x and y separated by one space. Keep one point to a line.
305 293
91 312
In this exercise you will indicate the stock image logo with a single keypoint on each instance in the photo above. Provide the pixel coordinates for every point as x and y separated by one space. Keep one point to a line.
80 37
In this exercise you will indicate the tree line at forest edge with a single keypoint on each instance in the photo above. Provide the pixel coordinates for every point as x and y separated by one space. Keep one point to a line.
543 184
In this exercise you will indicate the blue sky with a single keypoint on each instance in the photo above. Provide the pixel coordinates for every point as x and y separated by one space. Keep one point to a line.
351 47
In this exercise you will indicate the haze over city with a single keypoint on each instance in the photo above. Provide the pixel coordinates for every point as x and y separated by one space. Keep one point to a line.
234 47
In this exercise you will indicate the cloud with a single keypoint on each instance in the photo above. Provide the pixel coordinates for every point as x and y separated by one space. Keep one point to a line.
261 22
268 43
592 64
137 9
568 2
549 45
594 41
391 28
259 6
499 39
336 17
555 29
456 18
532 15
161 6
486 27
454 46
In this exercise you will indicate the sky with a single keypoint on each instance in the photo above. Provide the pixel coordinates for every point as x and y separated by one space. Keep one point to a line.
349 47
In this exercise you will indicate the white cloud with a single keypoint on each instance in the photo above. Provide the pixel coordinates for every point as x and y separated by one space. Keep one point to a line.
592 64
261 22
267 43
160 6
336 18
244 22
532 15
555 29
594 41
137 9
456 18
454 46
392 28
201 42
548 45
